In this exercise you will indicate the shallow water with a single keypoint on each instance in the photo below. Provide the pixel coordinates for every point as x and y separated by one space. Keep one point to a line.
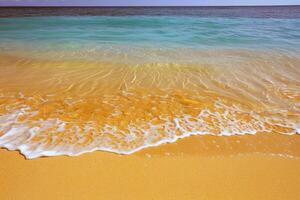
71 85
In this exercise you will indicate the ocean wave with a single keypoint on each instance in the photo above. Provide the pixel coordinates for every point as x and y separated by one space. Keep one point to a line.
59 107
38 131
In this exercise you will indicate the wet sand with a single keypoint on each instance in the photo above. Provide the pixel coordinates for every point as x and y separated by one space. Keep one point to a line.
173 171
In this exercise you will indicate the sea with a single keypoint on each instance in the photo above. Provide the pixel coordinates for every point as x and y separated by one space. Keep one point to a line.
122 79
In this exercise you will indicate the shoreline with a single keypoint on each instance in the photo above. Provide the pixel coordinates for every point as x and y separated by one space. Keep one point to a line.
261 144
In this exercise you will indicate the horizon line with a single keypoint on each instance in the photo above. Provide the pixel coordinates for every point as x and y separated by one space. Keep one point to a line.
82 6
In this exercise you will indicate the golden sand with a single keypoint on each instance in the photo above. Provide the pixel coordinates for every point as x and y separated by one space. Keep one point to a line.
174 171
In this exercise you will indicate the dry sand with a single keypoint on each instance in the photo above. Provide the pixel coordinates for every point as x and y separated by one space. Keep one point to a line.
183 170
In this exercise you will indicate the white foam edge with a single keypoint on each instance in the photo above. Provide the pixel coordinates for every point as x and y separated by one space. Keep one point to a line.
41 153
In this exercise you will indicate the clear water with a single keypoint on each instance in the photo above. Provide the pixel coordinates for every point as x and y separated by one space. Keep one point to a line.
75 80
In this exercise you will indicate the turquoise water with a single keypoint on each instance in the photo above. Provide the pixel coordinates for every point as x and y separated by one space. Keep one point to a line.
97 32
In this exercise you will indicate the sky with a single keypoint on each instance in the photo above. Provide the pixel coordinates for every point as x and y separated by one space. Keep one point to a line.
144 2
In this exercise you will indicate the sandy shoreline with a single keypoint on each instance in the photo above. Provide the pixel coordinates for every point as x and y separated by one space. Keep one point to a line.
264 166
172 171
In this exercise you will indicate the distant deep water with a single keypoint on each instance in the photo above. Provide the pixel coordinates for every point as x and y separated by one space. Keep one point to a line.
204 11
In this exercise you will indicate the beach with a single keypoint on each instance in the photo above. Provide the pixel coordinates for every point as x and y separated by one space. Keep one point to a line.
150 103
167 172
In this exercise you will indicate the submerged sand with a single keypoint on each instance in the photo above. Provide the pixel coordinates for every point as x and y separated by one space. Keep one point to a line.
246 147
68 105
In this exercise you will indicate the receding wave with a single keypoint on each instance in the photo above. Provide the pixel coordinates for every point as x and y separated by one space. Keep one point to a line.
68 107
